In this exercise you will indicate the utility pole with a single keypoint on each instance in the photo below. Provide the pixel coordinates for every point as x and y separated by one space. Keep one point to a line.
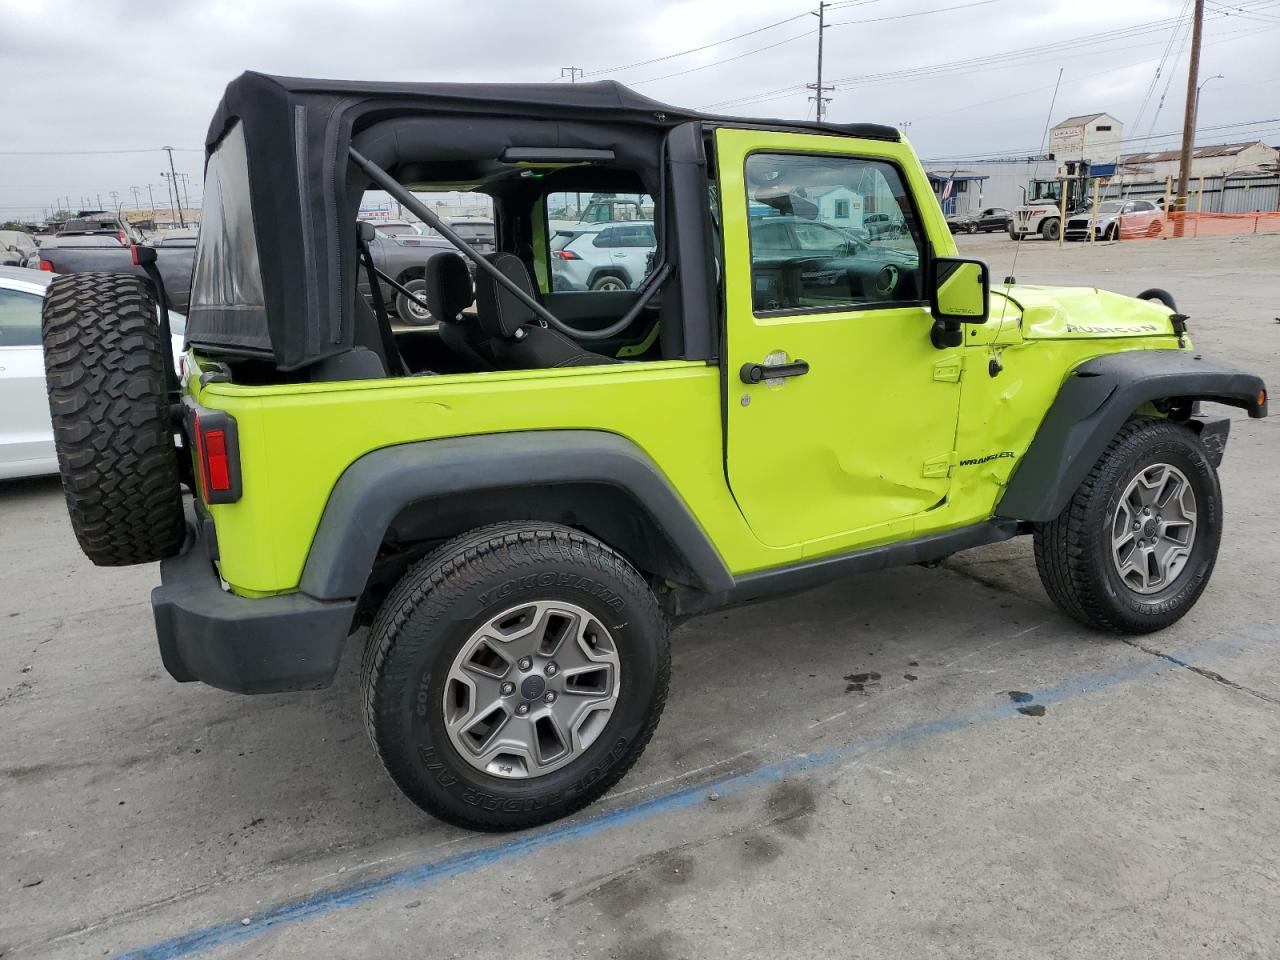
151 199
136 205
186 198
173 207
115 198
1189 117
174 173
821 109
573 73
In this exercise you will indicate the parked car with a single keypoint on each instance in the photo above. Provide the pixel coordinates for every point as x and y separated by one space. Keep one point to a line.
26 433
182 237
521 533
1117 220
816 262
95 224
403 256
17 248
105 253
990 220
396 228
607 256
883 225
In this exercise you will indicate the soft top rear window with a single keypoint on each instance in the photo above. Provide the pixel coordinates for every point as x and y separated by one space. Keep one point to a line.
227 304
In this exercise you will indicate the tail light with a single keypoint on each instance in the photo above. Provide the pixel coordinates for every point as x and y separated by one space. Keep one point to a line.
46 266
124 239
217 454
565 255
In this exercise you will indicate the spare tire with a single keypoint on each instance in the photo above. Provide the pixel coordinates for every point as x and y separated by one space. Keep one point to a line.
105 371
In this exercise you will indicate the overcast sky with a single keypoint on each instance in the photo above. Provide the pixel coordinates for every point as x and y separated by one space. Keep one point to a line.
120 75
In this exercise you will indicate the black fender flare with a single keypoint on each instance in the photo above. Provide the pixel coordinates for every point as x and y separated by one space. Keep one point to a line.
1094 402
374 489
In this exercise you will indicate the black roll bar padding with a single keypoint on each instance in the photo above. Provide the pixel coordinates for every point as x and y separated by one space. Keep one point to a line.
429 217
652 284
399 287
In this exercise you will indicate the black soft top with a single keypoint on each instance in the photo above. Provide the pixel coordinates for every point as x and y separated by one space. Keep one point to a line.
275 268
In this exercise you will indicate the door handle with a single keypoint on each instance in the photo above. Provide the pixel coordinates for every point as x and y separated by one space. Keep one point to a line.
759 372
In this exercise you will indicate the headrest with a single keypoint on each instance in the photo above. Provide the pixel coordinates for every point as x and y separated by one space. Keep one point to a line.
365 231
500 314
449 289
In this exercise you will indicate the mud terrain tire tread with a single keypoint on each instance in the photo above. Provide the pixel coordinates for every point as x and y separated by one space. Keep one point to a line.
108 401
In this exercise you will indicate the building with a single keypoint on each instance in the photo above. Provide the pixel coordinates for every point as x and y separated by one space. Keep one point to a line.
1215 160
978 184
1096 137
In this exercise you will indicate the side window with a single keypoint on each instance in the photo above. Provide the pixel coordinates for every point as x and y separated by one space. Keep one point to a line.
829 232
19 319
599 241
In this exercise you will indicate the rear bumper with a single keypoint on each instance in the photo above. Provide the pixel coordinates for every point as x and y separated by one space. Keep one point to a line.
258 645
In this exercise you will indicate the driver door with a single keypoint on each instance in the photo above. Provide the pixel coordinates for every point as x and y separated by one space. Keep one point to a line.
858 446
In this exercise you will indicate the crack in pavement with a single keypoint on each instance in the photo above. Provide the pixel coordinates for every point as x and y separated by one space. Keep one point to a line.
1202 671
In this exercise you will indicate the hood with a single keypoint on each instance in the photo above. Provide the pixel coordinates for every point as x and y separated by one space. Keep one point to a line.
1083 313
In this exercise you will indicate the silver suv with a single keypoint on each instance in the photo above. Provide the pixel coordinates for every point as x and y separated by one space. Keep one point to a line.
602 256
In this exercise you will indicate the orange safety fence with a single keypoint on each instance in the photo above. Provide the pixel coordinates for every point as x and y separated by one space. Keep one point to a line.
1190 224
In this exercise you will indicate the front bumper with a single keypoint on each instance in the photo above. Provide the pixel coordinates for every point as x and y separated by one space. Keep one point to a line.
245 645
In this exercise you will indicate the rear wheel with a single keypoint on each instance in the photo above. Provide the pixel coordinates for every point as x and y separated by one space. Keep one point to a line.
410 310
515 675
105 365
609 282
1135 546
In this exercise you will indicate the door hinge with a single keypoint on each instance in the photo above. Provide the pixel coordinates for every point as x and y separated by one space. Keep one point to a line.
948 369
940 466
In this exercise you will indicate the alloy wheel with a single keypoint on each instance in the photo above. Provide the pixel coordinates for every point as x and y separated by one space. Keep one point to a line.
1153 528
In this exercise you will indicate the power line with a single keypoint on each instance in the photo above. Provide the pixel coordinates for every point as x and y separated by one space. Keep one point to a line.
705 46
999 59
93 153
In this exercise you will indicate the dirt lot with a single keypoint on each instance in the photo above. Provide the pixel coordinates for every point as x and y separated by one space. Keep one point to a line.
781 811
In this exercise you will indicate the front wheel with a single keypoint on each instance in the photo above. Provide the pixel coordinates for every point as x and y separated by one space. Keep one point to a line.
515 675
1134 547
1050 229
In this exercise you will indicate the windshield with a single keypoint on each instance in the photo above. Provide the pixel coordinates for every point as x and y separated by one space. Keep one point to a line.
396 230
1110 208
1046 190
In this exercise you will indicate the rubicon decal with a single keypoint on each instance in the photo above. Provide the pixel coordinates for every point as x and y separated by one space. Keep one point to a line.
1096 328
1002 455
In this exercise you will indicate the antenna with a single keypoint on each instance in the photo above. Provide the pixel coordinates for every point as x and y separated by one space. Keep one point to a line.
994 366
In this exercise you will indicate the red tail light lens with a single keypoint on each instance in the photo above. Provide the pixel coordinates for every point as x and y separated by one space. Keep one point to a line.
46 266
565 255
217 453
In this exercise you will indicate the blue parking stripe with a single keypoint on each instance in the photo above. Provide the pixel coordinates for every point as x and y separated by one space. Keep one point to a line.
297 911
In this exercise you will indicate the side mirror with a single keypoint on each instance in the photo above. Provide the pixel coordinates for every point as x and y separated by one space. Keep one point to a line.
958 290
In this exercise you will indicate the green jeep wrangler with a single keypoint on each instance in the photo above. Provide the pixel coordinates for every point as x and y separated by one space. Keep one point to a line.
521 499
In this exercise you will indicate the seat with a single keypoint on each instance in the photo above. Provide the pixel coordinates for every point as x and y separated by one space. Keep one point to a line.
512 335
448 292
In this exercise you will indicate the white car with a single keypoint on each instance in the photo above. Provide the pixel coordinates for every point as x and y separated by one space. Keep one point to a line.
26 433
602 256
